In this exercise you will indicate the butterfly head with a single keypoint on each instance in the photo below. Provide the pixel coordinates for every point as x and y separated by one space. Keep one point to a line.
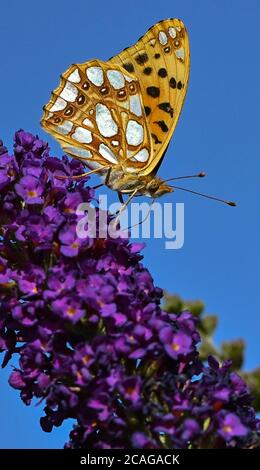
157 187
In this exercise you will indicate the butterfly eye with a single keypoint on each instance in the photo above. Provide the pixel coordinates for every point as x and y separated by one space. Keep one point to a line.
69 111
85 86
104 90
81 99
153 185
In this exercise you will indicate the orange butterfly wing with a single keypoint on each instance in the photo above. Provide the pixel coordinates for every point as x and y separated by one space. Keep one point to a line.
97 115
161 62
124 110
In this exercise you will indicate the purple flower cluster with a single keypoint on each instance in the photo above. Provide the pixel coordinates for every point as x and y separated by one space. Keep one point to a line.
85 320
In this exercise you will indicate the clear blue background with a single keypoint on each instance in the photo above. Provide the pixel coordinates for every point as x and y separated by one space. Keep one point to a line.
218 132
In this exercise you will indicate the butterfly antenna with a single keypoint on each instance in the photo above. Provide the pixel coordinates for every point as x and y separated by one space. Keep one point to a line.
198 175
229 203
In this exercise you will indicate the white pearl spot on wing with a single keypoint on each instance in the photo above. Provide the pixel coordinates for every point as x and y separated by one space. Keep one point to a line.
180 54
107 153
95 75
69 92
58 105
152 42
135 105
141 156
128 79
74 76
82 153
172 32
134 133
116 79
65 127
115 143
106 124
82 135
87 122
163 38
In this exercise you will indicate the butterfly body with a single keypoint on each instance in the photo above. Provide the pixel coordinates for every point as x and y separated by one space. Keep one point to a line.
119 116
121 181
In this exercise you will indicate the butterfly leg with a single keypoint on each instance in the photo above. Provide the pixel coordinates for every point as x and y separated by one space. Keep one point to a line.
143 220
108 175
106 180
75 177
132 195
121 200
120 197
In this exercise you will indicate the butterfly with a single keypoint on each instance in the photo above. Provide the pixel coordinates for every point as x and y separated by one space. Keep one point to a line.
118 116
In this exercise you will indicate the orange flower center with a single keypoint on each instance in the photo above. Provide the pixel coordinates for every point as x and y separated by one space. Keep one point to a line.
227 429
71 311
86 359
68 210
32 193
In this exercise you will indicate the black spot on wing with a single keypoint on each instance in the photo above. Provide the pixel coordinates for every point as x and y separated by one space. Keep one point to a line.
141 58
162 73
172 83
147 70
147 110
179 85
162 125
166 107
153 91
155 138
157 56
129 67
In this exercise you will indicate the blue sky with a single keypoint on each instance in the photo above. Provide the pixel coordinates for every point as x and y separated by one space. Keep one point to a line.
218 132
